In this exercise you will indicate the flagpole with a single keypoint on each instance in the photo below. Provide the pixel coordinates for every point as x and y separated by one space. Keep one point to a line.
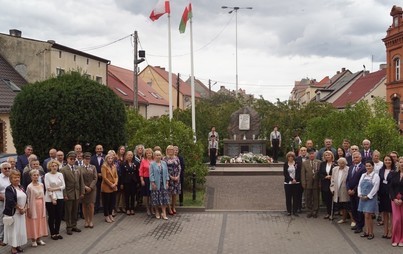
192 81
169 67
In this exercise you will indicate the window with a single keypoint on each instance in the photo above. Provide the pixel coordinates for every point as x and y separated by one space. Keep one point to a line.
396 108
396 63
99 64
98 79
60 54
157 96
59 71
11 84
75 57
88 76
121 91
88 61
141 93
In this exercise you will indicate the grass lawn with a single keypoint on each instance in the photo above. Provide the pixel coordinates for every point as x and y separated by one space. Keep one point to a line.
187 198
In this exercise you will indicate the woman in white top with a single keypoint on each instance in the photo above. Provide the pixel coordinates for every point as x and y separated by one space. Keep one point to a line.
292 184
15 234
367 192
54 184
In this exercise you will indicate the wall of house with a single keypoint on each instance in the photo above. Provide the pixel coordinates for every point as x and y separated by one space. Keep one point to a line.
156 110
30 58
160 85
7 138
69 62
379 91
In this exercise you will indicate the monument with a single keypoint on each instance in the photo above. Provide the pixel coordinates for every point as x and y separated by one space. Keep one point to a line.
244 130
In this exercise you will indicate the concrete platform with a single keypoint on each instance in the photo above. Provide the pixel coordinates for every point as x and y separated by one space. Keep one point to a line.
247 169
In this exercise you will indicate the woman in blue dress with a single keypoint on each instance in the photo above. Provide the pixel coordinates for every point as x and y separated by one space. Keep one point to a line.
159 180
367 192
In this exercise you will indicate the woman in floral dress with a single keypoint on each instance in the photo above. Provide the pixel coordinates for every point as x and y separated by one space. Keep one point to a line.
174 169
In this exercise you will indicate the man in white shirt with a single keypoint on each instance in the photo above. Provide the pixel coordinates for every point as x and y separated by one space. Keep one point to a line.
275 141
213 151
4 182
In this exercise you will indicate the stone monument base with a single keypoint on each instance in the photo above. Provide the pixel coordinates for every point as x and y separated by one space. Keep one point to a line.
233 148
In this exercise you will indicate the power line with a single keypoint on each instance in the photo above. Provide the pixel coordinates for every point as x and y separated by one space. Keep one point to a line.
202 47
106 44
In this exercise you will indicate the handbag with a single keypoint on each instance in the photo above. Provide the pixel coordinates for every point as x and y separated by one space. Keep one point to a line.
8 220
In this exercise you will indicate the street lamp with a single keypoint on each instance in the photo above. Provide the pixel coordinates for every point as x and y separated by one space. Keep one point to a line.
235 9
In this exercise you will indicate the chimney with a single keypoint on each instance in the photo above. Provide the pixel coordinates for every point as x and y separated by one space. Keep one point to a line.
51 41
338 72
15 33
382 66
343 69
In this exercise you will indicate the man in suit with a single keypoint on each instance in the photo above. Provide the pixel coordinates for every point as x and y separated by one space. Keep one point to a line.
354 174
299 160
366 152
73 192
97 160
52 156
22 160
310 183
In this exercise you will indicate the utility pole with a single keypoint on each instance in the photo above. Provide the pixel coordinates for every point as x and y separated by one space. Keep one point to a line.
136 81
178 88
135 71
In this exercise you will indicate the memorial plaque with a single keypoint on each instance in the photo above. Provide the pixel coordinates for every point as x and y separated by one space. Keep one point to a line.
244 122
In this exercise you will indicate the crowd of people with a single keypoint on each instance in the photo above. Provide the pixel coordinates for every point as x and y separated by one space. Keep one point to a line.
34 199
355 183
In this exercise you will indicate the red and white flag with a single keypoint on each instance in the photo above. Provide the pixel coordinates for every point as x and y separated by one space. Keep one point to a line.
160 9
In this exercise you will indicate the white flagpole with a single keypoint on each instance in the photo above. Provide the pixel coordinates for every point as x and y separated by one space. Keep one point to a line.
169 67
192 80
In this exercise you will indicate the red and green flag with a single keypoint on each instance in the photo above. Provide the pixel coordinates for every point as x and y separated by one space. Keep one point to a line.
187 14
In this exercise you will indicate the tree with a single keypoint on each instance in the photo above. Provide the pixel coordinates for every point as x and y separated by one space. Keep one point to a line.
357 123
63 111
163 132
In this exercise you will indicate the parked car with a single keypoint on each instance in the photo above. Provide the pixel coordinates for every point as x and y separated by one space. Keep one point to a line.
4 156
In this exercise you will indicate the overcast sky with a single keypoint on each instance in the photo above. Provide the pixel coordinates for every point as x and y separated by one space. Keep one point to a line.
278 41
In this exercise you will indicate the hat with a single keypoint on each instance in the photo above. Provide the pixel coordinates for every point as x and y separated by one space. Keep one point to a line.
87 155
71 154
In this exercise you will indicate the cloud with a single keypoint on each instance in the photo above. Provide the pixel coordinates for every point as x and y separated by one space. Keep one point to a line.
278 41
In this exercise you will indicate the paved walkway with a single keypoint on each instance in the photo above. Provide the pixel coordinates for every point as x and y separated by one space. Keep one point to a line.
214 232
244 214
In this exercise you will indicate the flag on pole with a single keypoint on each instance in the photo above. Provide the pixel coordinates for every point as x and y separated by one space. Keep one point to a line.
187 14
160 9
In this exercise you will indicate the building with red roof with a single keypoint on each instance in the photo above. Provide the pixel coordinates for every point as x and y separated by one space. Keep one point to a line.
158 78
367 87
11 83
150 102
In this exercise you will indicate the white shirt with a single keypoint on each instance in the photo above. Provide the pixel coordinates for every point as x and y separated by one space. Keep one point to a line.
4 182
375 180
54 181
377 166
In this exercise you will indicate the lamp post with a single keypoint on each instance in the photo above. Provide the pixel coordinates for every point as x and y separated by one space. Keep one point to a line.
235 9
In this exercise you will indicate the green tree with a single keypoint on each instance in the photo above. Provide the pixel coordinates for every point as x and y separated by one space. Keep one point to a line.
162 132
63 111
356 123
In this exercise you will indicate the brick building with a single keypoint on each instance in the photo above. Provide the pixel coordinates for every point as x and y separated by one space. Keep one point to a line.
394 56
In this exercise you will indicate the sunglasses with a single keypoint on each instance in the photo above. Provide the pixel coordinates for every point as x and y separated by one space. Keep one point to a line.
6 168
